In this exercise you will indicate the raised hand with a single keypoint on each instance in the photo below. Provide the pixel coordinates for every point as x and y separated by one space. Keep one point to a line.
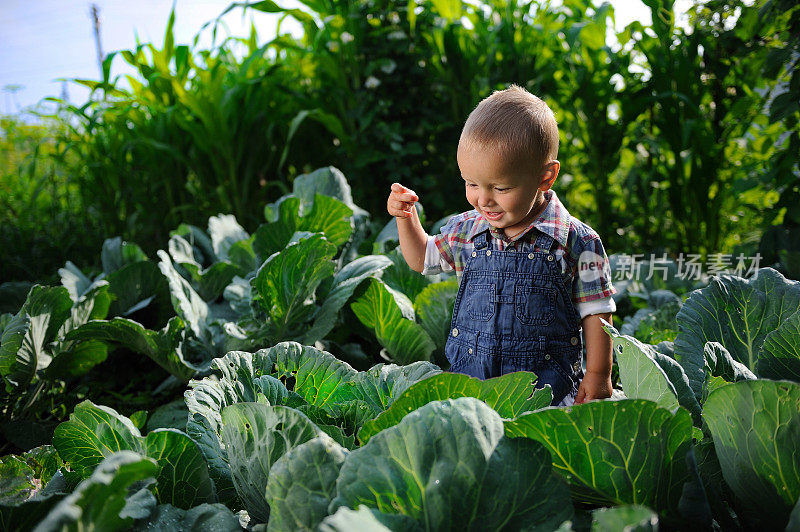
401 201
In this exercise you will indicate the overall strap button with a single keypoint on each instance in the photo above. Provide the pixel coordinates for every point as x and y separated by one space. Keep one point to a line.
574 340
488 252
547 357
455 332
474 253
469 350
550 258
530 255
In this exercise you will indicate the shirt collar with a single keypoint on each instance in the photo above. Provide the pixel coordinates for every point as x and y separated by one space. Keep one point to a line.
554 221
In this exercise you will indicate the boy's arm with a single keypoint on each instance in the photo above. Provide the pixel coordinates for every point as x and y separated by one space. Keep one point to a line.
413 239
596 383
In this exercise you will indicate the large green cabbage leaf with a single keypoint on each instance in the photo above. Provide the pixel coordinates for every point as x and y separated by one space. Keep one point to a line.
449 467
164 347
34 339
756 429
102 501
646 373
390 314
202 318
780 353
225 231
116 254
134 282
324 388
328 181
95 432
328 383
189 306
509 395
210 263
434 310
209 282
29 487
239 380
302 483
256 436
741 314
382 384
345 283
402 278
213 517
284 286
327 215
600 447
136 286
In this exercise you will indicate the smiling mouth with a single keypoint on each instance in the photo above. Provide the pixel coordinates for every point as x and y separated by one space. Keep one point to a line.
492 215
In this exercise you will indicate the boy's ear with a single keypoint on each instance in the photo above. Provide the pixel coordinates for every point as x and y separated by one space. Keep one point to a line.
549 175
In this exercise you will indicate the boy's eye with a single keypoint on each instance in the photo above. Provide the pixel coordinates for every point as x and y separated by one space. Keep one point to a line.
501 189
471 185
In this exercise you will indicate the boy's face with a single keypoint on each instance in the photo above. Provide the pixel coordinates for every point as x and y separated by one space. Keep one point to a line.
508 197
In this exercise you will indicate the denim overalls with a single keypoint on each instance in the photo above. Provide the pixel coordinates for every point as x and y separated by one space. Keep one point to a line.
513 312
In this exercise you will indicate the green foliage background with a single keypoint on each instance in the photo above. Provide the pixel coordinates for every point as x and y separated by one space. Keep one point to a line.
672 139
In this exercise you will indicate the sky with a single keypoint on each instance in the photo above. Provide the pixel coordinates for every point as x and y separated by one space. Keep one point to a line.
42 41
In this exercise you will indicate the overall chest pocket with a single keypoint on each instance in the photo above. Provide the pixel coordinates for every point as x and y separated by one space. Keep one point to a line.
534 303
479 301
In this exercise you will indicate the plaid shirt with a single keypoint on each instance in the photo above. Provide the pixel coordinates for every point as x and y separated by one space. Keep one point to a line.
577 247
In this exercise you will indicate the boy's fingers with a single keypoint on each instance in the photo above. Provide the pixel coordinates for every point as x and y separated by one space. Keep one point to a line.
581 397
408 194
403 198
400 208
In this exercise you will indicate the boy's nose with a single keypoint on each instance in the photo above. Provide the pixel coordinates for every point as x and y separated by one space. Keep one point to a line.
485 200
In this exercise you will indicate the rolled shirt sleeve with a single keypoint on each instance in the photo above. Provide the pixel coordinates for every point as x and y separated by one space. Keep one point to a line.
598 306
592 280
435 262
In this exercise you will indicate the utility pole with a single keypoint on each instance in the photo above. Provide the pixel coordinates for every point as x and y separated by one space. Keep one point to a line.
95 13
64 92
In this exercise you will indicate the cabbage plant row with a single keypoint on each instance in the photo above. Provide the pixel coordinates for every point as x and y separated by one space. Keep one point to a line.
287 423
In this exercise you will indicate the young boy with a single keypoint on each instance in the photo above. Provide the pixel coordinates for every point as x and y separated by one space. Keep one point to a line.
530 275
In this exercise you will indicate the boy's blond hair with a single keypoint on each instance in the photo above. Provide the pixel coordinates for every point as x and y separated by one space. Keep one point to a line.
516 125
